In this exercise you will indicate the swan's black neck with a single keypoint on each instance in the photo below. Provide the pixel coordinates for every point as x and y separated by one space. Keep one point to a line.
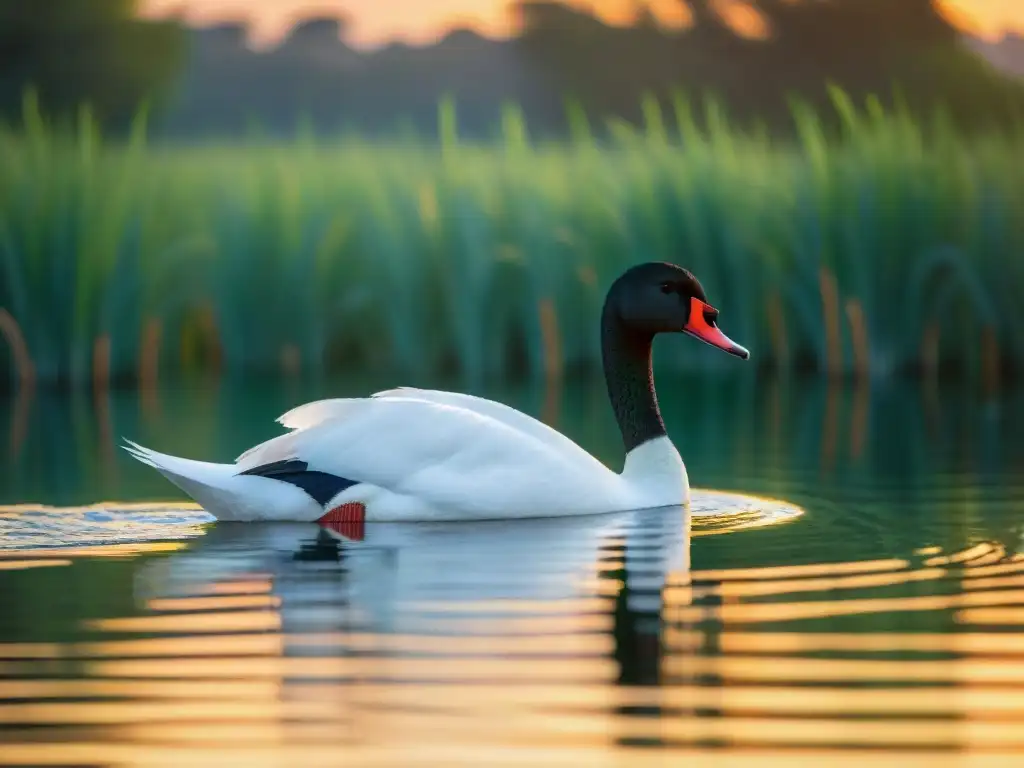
627 371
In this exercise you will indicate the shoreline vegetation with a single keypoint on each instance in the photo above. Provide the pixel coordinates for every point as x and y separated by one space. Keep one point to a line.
892 247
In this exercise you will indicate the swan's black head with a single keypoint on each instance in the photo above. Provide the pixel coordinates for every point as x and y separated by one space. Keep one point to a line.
658 297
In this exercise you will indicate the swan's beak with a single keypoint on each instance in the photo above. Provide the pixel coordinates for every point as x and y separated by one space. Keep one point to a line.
702 325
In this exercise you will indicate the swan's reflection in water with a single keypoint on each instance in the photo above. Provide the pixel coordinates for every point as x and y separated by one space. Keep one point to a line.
449 633
519 578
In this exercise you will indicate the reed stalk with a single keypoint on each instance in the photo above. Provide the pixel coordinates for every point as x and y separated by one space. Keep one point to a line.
420 258
149 354
24 369
101 363
551 341
859 339
777 329
930 350
830 319
990 361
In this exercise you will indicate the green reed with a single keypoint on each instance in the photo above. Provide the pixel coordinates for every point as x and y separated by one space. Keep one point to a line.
891 246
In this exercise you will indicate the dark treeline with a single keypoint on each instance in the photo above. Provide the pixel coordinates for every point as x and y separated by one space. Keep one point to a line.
209 82
93 51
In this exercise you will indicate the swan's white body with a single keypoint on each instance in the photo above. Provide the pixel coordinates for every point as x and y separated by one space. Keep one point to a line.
420 455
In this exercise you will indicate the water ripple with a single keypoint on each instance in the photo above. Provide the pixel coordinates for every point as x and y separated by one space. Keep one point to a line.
27 526
287 658
570 641
30 526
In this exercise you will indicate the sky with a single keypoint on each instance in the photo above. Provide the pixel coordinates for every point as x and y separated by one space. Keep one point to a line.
377 21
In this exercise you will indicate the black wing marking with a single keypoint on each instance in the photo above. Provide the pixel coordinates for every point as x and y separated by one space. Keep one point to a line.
321 486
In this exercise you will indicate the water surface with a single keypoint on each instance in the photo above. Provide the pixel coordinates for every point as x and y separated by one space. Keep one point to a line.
883 624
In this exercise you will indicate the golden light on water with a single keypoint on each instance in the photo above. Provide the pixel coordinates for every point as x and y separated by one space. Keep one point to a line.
1004 616
260 644
218 603
234 621
474 686
576 644
228 657
867 642
253 587
21 565
60 554
795 571
472 756
573 669
126 530
13 690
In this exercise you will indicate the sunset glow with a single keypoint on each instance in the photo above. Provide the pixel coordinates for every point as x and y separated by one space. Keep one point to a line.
418 22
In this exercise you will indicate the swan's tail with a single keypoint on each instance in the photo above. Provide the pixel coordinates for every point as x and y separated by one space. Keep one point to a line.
226 494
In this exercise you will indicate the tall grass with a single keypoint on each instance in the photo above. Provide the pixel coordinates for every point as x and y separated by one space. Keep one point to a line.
892 247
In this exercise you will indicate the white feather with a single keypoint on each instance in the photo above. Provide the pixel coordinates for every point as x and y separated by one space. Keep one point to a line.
315 413
227 495
311 414
504 413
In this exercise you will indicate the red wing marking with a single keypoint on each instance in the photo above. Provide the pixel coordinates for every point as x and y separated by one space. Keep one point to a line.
348 519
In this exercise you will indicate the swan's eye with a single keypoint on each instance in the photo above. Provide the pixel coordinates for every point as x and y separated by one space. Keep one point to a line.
667 288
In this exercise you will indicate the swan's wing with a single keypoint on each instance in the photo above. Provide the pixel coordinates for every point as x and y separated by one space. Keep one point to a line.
425 448
320 411
504 413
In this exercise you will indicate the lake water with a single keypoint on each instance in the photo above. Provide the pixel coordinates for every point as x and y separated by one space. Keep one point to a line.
885 624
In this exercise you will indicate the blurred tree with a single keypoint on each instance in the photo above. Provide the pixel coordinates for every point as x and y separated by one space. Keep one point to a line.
644 17
863 46
868 46
74 52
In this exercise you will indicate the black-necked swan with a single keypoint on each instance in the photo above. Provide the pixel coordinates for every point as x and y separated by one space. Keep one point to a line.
414 455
